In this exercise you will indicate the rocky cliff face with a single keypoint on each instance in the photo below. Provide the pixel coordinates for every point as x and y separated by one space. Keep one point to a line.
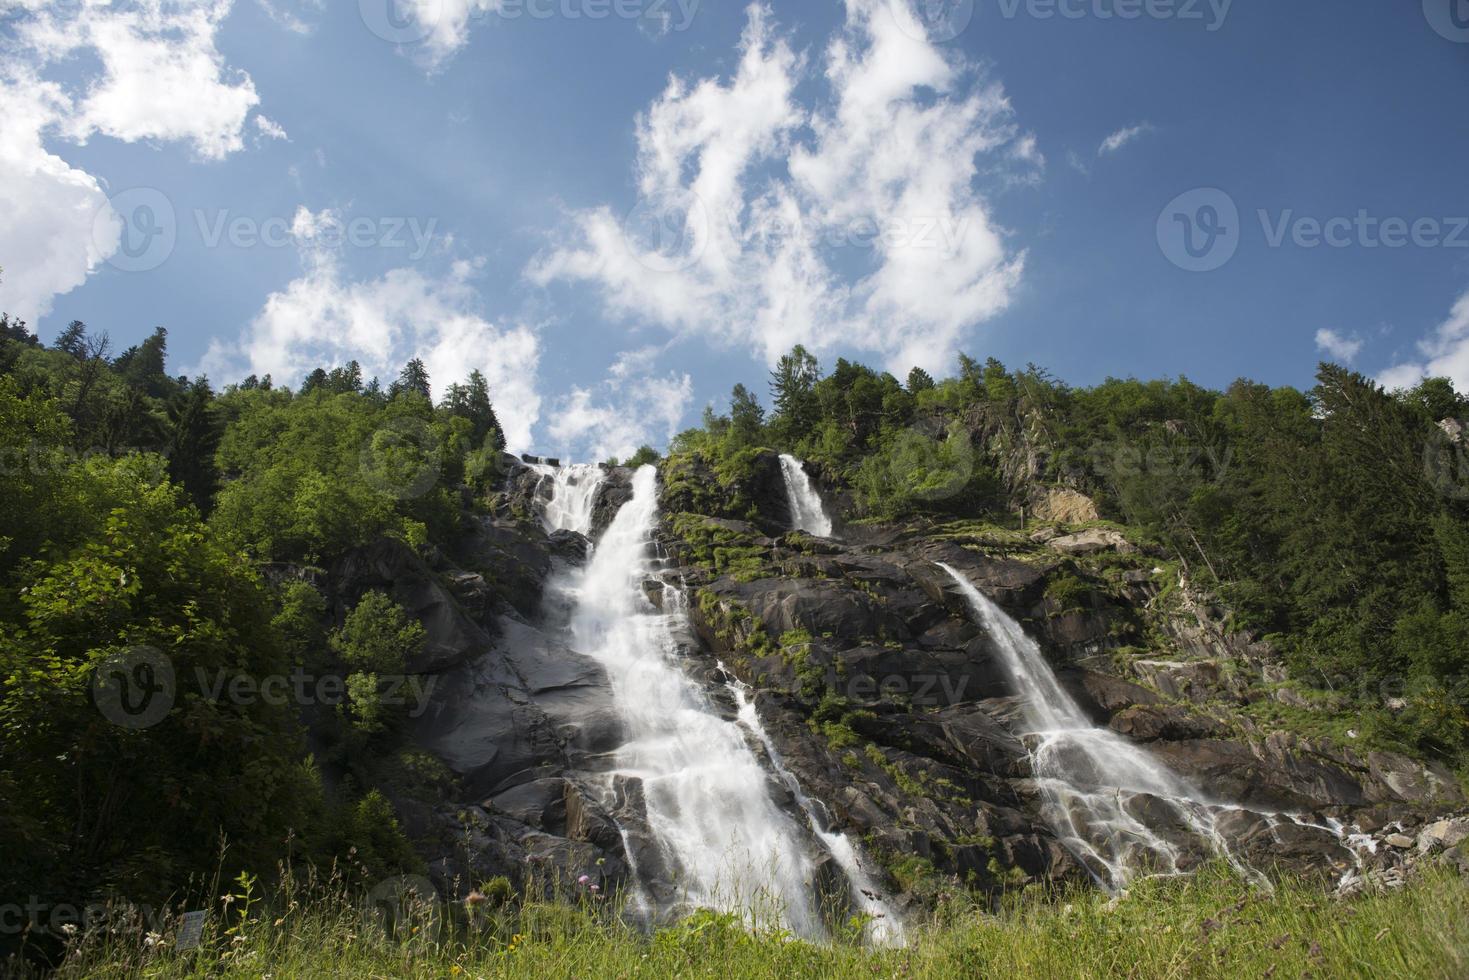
882 697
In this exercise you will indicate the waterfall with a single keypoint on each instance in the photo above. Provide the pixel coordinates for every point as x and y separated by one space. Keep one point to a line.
572 494
708 803
1113 805
807 514
885 926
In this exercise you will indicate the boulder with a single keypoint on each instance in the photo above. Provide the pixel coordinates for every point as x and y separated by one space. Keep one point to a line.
1151 722
1063 505
1092 541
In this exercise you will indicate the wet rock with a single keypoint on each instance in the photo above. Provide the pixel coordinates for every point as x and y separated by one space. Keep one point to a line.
569 545
1149 723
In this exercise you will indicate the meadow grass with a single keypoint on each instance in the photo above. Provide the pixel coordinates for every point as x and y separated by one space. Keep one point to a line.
1208 925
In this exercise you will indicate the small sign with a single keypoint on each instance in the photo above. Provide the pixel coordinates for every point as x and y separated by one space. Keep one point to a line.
190 930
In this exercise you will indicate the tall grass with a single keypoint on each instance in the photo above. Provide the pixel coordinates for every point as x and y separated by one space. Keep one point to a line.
1208 925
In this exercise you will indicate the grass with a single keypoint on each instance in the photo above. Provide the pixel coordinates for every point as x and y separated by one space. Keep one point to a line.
1210 925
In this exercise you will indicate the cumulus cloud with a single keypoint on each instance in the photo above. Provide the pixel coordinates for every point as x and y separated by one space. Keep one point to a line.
1122 137
444 25
632 407
152 72
48 209
1443 354
853 221
324 319
1338 347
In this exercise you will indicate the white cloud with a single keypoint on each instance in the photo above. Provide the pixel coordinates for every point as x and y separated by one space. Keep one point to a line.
1340 348
270 129
444 25
1444 354
152 72
1122 137
631 408
873 238
283 16
48 209
324 319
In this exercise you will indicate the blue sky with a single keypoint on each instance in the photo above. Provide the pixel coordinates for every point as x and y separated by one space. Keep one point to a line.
620 208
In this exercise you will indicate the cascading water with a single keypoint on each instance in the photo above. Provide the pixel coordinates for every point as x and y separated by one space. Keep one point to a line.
807 514
1113 805
884 925
573 491
727 843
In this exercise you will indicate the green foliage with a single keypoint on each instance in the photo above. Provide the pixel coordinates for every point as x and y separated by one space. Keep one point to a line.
1208 925
912 472
378 638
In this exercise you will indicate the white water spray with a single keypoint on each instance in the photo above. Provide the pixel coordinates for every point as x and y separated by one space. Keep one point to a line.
1113 805
708 805
573 492
884 925
807 513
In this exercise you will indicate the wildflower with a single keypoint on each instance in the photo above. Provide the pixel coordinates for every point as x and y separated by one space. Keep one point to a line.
583 879
474 898
595 889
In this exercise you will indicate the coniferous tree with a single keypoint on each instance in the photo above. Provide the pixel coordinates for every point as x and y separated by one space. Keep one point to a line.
746 416
919 380
793 386
413 378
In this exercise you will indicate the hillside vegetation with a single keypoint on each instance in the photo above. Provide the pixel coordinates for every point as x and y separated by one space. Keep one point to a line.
140 510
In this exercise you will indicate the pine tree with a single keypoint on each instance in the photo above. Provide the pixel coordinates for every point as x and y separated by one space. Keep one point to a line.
413 378
196 434
746 416
919 380
793 386
73 339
